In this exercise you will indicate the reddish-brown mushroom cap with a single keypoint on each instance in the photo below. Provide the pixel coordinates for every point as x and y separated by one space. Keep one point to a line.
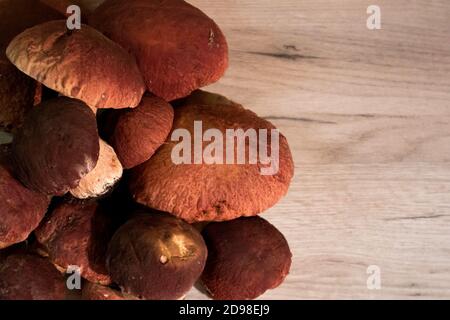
21 210
246 257
136 134
77 234
57 146
25 276
211 192
178 48
81 64
93 291
156 257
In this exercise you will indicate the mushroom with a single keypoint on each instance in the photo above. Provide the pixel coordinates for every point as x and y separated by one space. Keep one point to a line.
18 92
212 190
93 291
103 177
81 64
175 58
136 134
25 276
57 146
21 210
246 257
155 256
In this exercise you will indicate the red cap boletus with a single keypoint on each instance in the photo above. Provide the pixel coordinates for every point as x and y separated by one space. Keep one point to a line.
155 256
21 210
136 134
246 257
178 48
57 146
18 91
193 178
103 177
25 276
77 234
81 64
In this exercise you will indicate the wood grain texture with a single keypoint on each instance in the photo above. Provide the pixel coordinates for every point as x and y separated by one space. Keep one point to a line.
367 116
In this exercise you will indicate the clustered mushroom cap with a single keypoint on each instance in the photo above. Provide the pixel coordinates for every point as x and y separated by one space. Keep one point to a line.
136 134
175 58
77 234
57 146
156 256
211 192
81 64
93 291
25 276
246 257
103 177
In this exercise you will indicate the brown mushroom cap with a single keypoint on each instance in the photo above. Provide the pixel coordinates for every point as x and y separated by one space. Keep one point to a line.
21 210
81 64
246 257
175 58
211 192
156 257
93 291
17 90
103 177
136 134
30 277
57 146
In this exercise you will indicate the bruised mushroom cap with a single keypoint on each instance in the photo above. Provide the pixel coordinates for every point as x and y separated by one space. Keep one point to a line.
103 177
156 257
93 291
137 133
77 234
246 257
24 276
57 146
175 58
21 210
211 192
81 64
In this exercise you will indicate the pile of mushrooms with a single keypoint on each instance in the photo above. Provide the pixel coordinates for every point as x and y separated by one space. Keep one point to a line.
86 174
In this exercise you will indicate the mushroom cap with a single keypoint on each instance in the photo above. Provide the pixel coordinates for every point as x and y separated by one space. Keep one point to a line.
246 257
78 234
211 192
26 276
156 257
103 177
21 210
57 146
93 291
175 58
81 64
136 134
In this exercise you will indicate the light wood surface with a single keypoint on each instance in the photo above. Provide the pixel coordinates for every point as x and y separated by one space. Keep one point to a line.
367 116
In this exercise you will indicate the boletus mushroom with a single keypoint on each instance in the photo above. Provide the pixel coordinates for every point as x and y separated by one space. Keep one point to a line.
93 291
246 257
57 146
178 48
24 276
191 177
136 134
81 64
77 234
155 256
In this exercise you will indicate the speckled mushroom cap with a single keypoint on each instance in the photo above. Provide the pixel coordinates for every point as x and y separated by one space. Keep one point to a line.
137 133
156 257
21 210
211 192
103 177
246 257
18 92
81 64
77 234
57 146
26 276
178 48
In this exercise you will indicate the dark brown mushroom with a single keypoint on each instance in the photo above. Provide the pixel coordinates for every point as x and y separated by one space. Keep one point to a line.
93 291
